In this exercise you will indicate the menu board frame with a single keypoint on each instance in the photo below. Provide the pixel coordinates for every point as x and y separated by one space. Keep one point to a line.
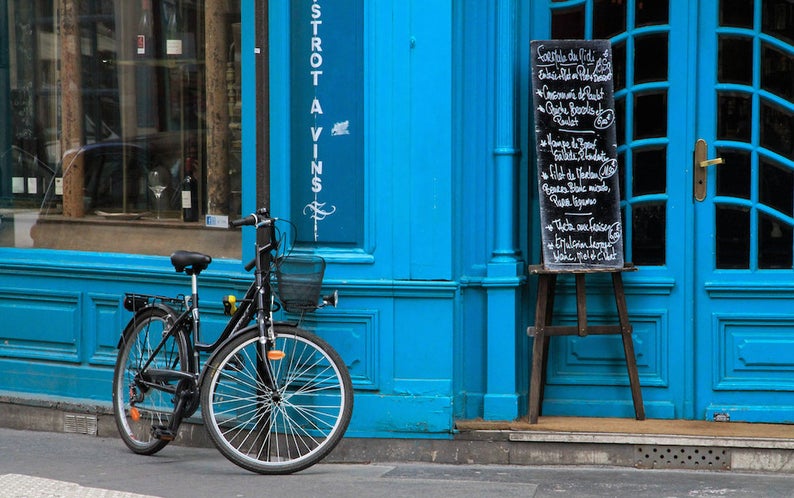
577 167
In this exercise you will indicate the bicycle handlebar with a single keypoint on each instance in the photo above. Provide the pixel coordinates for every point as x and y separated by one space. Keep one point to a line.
260 218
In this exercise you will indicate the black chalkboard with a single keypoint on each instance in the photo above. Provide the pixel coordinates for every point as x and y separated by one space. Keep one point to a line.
578 184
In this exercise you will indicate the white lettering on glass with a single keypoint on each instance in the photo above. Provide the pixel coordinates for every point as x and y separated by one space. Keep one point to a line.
316 209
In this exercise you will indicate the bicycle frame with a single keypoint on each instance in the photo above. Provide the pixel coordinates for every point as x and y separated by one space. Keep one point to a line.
257 301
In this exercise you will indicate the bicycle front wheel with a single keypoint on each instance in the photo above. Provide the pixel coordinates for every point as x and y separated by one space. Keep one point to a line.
139 407
285 426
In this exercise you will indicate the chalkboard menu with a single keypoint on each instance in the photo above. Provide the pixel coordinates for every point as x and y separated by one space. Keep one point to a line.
578 182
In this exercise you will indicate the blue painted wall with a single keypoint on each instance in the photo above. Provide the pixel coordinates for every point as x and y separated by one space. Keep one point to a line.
432 314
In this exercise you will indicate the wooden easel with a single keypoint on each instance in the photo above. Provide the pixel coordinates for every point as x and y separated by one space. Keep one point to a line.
547 281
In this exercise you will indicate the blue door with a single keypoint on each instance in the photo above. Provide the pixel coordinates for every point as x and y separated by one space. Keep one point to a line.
744 208
712 304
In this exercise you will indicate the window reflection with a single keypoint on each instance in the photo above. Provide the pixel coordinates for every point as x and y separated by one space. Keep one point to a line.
154 87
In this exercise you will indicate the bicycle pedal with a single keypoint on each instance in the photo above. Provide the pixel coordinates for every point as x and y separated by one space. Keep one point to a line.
163 433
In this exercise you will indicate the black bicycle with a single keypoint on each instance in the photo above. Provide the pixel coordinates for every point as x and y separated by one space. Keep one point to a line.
274 398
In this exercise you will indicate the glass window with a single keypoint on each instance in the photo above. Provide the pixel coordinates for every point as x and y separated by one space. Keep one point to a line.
117 108
650 58
736 60
733 237
568 23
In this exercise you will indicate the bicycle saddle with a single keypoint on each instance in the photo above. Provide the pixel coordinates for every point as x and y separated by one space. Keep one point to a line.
190 262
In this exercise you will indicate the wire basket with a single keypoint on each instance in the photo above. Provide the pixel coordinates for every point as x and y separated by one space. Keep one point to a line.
299 280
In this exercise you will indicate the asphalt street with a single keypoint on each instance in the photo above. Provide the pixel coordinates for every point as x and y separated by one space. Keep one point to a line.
57 465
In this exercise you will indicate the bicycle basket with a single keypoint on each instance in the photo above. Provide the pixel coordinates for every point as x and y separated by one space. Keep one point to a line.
299 280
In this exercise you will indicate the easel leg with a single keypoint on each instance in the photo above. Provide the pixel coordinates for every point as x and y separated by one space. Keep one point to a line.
628 345
540 346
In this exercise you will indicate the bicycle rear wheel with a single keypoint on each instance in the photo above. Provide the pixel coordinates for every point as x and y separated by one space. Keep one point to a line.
284 428
136 407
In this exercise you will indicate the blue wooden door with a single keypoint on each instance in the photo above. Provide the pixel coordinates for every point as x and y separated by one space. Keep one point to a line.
713 303
743 279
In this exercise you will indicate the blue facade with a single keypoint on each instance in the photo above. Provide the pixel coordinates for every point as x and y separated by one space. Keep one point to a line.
415 161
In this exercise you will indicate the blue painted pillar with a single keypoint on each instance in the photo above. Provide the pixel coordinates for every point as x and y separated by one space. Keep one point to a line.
505 271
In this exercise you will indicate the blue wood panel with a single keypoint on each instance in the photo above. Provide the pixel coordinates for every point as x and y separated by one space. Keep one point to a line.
41 324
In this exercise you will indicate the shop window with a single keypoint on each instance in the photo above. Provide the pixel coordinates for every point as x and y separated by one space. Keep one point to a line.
125 120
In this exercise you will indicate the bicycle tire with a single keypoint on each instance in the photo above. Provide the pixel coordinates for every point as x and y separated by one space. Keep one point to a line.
154 407
282 430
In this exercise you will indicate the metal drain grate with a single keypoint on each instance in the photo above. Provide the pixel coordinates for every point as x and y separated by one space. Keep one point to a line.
80 424
683 457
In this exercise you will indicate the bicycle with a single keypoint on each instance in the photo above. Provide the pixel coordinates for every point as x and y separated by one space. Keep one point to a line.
274 398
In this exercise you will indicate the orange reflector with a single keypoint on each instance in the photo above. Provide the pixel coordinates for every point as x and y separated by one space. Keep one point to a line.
275 354
135 414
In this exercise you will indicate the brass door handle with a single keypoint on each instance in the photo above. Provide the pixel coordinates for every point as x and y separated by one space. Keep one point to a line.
701 163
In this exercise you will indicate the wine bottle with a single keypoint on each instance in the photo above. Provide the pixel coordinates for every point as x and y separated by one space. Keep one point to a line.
189 193
173 36
145 24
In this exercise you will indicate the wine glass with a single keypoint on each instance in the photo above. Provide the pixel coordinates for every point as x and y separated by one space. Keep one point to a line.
157 184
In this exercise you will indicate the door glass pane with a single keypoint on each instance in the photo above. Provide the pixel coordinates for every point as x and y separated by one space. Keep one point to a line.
619 66
649 238
568 23
737 13
652 12
777 127
777 72
733 237
774 243
776 187
735 60
649 171
650 58
650 115
733 177
778 19
734 112
620 122
609 18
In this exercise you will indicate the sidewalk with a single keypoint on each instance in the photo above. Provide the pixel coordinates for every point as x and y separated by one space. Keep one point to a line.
566 441
57 465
